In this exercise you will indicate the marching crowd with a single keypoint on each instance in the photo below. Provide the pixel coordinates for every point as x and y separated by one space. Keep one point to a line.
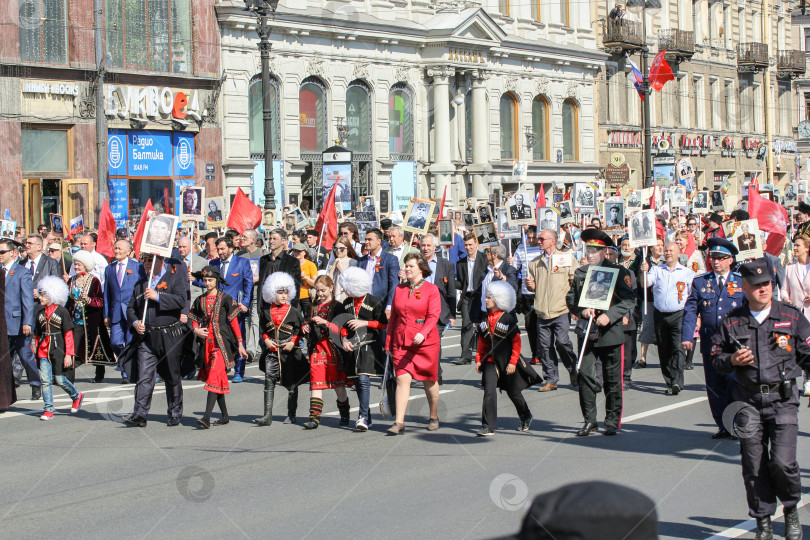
335 319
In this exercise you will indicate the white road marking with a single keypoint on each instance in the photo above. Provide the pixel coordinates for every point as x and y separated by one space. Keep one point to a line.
377 405
744 527
660 410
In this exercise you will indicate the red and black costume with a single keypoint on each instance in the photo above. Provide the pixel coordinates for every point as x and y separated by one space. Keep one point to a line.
218 313
53 336
290 369
324 356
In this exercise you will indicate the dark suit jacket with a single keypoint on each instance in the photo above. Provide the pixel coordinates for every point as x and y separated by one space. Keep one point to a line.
479 271
116 297
386 277
172 289
46 267
477 310
445 281
283 263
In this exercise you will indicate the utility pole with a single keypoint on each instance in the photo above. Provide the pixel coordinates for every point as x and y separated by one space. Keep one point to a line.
766 84
101 119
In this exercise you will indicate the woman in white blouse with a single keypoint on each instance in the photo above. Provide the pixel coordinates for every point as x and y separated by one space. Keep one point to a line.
797 284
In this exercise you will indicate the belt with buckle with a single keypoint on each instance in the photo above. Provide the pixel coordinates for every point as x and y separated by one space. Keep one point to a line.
765 388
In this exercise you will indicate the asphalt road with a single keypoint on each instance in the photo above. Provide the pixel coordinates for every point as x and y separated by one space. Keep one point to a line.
89 475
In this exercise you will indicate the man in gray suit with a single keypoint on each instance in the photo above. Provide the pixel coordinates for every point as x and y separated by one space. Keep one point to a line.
38 262
20 316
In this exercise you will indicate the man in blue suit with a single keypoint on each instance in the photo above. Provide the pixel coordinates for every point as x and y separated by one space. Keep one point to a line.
238 284
120 279
382 267
713 295
20 316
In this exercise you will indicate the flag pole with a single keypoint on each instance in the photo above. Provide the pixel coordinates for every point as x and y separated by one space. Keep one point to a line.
148 283
644 259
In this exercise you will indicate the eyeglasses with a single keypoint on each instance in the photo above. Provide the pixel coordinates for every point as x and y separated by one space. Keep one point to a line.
4 251
340 249
345 233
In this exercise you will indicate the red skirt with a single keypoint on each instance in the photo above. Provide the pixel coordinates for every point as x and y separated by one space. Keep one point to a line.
422 363
323 369
213 373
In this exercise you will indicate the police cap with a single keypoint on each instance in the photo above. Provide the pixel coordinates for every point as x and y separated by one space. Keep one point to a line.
755 272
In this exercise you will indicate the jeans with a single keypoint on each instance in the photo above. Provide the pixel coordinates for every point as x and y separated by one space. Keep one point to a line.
45 375
363 387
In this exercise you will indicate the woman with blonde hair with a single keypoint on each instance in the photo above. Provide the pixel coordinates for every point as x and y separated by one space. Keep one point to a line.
344 257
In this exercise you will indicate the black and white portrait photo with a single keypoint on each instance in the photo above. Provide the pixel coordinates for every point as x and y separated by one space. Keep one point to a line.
469 220
717 200
678 199
791 196
642 229
158 238
484 213
548 218
445 232
598 287
367 205
417 220
485 234
584 198
520 211
192 198
458 216
634 201
701 202
57 226
747 239
505 230
566 212
614 214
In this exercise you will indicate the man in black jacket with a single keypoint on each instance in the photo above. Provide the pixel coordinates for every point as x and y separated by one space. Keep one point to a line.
497 270
443 277
470 271
278 260
160 335
38 262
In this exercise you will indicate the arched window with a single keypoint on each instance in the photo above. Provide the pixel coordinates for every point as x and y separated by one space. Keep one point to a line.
570 127
540 128
400 123
256 117
509 127
358 117
312 115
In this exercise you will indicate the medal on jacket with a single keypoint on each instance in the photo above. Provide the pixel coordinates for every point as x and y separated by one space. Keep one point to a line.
782 342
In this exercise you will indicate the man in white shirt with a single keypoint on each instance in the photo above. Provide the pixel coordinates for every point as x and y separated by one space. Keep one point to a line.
88 243
671 283
397 248
37 262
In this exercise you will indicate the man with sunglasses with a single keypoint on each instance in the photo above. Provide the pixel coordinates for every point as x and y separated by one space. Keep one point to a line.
713 295
37 262
19 316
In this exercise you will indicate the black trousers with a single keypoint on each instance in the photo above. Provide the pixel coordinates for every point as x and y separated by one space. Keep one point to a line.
668 339
530 321
630 352
468 342
589 387
552 335
768 451
169 369
489 412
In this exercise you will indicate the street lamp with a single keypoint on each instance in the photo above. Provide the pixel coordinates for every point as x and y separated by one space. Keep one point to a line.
645 7
264 9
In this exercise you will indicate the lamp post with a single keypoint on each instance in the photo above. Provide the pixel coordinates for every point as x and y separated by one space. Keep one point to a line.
264 9
645 7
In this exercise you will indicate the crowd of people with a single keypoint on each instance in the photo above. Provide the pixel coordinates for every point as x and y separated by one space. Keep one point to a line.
335 319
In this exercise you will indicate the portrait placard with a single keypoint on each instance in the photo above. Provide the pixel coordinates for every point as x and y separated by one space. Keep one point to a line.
718 200
417 219
8 228
469 219
642 229
700 204
584 198
445 232
566 212
485 234
614 215
505 230
191 203
746 238
548 218
633 203
158 236
597 290
484 213
520 211
57 225
791 195
367 204
215 215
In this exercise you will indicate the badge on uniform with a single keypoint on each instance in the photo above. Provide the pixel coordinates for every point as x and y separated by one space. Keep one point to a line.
628 281
783 324
782 341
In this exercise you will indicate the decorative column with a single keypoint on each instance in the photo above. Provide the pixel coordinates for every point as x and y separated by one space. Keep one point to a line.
442 165
480 167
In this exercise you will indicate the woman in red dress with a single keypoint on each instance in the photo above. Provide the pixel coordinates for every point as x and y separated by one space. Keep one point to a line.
413 339
324 356
214 318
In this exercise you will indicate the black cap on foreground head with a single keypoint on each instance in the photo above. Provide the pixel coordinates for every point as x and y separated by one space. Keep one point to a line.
804 208
591 510
721 247
715 217
209 272
596 238
755 272
385 224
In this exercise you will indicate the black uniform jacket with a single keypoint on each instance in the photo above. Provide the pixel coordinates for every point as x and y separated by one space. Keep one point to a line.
370 359
500 347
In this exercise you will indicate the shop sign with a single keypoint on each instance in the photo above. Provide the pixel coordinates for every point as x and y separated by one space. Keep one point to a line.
152 102
624 139
750 145
51 89
729 147
785 146
150 153
661 144
617 176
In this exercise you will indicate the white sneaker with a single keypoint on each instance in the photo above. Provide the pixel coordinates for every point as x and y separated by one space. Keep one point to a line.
807 388
361 425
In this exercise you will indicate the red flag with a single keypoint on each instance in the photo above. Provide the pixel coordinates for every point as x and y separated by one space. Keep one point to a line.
652 199
136 240
441 208
771 218
327 220
691 245
660 231
660 72
541 197
567 196
244 214
106 230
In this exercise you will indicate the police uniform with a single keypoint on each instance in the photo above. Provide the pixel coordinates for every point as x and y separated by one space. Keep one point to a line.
712 302
768 425
604 343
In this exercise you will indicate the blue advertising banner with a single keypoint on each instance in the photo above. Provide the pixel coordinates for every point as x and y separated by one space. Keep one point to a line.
403 184
183 154
119 201
149 153
257 183
117 152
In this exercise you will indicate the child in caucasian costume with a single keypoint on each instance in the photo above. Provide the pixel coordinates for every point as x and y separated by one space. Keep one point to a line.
53 342
363 345
498 358
324 355
214 318
281 360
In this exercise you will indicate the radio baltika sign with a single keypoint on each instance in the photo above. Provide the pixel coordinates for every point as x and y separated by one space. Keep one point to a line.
617 173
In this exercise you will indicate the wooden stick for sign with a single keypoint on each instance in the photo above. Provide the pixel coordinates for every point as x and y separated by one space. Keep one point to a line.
585 342
148 283
644 259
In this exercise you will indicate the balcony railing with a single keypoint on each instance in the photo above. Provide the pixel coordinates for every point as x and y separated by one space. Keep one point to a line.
791 62
623 34
678 43
752 56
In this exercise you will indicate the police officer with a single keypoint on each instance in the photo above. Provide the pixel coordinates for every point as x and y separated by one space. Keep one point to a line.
765 345
604 341
713 295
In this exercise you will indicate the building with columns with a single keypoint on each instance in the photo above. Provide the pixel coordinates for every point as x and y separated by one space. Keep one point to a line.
425 94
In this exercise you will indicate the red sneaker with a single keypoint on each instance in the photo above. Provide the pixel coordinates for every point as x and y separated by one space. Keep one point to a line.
47 415
78 403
